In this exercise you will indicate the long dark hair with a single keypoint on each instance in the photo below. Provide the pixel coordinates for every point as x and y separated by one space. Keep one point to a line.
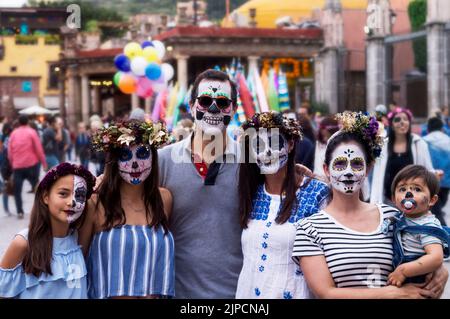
109 194
38 258
330 124
391 136
250 178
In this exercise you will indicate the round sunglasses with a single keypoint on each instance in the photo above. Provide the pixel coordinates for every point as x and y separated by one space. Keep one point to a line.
205 101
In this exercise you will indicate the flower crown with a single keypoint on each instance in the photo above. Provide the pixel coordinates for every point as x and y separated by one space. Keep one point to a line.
399 109
128 133
365 126
64 169
289 127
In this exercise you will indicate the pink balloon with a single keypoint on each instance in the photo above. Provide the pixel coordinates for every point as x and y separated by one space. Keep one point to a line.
144 87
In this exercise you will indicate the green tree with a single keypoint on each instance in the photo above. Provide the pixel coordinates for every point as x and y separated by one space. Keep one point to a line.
417 11
217 8
90 12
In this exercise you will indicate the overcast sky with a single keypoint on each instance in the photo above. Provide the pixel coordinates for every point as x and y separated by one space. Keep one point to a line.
12 3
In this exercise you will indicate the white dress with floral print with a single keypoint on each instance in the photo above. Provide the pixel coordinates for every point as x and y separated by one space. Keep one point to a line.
268 270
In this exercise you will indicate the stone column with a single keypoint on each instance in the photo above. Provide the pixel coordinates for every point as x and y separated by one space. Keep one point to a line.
182 71
96 100
253 62
327 64
376 73
85 99
148 105
62 94
437 48
378 27
134 101
73 98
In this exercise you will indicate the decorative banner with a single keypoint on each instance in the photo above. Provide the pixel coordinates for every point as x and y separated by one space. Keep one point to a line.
273 93
292 67
245 97
260 93
283 92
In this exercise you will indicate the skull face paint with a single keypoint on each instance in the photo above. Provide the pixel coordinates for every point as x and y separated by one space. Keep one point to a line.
213 107
135 163
78 198
347 168
413 197
270 149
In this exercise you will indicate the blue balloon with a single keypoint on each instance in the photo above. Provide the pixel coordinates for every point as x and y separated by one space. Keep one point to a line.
146 44
122 62
153 71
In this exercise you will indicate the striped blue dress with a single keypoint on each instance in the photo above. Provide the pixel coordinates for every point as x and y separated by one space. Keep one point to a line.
131 260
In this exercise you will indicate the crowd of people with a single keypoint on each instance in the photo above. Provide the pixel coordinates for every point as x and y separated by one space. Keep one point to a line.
294 207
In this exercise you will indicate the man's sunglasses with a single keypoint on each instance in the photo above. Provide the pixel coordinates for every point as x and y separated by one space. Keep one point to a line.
206 101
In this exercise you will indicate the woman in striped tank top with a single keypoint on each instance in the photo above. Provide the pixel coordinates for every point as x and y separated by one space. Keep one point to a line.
346 248
125 237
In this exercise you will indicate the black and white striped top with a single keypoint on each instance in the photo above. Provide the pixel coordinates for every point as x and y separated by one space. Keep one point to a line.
355 259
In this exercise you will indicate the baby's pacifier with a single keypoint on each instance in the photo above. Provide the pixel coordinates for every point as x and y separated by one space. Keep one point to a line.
408 204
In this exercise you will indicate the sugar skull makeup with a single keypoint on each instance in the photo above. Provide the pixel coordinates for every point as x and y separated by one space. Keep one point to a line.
413 196
347 168
135 163
270 149
213 106
78 198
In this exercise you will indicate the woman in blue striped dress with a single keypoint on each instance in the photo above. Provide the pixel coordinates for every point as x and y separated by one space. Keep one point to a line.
125 237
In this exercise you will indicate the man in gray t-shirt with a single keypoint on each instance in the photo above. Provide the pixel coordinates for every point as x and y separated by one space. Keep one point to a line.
203 178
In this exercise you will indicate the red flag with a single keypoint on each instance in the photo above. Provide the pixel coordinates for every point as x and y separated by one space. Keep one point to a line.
246 97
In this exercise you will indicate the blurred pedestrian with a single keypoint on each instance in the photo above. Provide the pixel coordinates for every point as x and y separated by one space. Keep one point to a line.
82 145
24 153
399 150
97 157
50 137
439 146
327 127
64 142
5 167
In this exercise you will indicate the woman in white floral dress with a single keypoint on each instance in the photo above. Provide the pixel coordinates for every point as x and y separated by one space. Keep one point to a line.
271 205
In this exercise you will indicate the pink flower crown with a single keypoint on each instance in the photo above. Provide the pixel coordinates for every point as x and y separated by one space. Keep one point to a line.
399 109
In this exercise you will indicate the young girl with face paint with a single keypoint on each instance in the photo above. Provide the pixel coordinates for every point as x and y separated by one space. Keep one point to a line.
270 206
45 261
346 248
401 149
129 249
420 242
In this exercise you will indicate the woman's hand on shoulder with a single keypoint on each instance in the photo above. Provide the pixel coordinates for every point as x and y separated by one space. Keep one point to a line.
167 199
15 253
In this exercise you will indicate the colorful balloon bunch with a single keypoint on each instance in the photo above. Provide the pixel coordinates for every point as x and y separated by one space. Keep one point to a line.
140 68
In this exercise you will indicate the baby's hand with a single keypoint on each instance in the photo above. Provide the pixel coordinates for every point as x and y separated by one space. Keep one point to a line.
396 278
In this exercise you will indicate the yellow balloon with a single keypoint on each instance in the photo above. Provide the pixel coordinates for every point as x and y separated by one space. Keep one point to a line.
150 54
132 49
